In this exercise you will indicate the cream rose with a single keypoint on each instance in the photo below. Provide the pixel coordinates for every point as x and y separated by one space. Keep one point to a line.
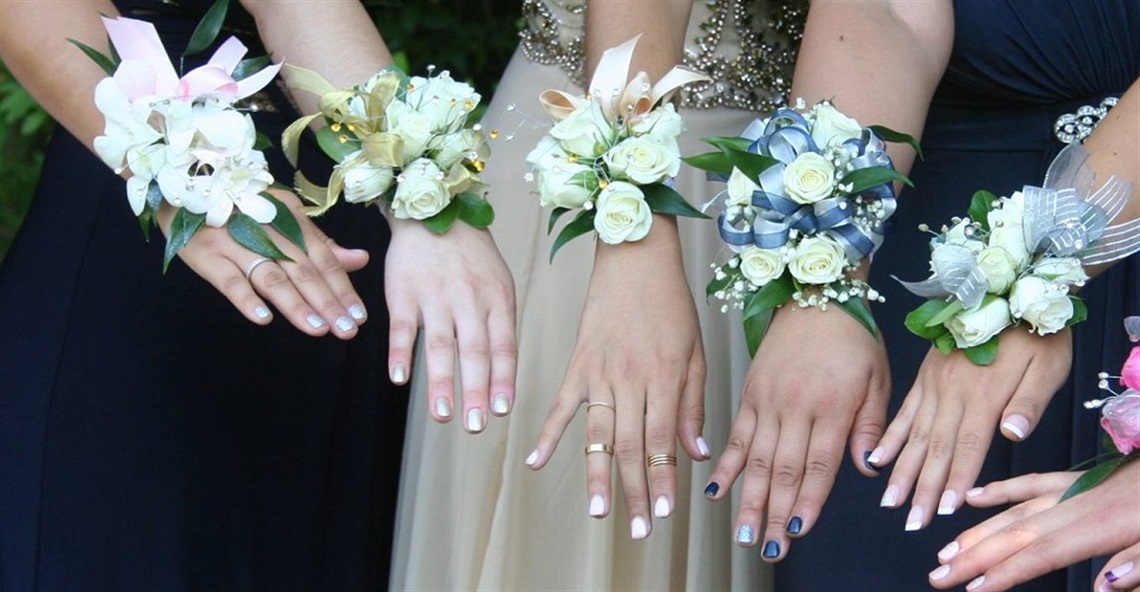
740 188
957 236
416 129
663 123
810 178
421 192
1000 269
975 327
831 127
557 186
622 214
364 182
818 260
546 154
643 160
442 100
1065 270
1007 231
584 132
460 145
1043 304
761 266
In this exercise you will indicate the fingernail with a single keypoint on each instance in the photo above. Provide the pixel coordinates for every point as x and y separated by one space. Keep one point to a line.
947 503
771 550
1114 574
940 573
876 456
745 535
443 407
867 461
597 503
357 312
703 447
314 321
1104 586
662 509
890 497
261 312
399 375
976 583
975 492
345 324
1016 425
795 525
949 551
475 420
532 459
638 528
711 489
914 518
501 404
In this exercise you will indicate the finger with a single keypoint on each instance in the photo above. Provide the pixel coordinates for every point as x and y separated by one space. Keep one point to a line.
870 422
439 356
909 462
899 429
275 286
504 356
336 276
787 475
403 324
474 367
1120 572
1019 489
599 465
930 491
731 462
661 439
691 410
562 410
757 479
227 277
310 283
629 452
825 452
993 525
970 447
1038 385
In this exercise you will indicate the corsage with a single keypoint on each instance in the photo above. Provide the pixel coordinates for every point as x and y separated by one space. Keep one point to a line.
1014 259
612 153
405 143
808 194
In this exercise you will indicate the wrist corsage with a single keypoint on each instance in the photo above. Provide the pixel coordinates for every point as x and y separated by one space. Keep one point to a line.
1014 259
183 140
1120 418
808 194
403 142
613 153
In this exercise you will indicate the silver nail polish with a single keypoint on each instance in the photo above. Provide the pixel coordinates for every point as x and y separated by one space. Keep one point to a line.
940 573
949 551
442 408
745 535
532 459
500 404
475 420
357 312
976 583
345 324
314 321
261 312
399 375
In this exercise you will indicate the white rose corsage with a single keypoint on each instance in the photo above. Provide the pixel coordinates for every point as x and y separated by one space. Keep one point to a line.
809 191
612 154
403 142
183 140
1013 260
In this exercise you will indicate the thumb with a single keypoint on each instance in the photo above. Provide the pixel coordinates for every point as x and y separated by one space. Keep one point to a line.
1024 409
350 259
870 423
691 412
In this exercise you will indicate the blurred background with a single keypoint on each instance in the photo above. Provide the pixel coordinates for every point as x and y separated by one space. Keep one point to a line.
419 32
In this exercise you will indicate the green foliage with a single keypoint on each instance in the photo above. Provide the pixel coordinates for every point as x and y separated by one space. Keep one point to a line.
24 131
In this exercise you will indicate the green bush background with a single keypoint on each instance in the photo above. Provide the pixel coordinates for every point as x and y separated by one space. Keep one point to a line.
471 38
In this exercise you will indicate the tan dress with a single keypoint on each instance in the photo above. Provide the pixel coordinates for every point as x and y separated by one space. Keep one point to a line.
472 515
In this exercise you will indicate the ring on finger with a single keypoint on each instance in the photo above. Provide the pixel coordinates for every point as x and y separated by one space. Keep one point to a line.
253 265
658 460
599 447
609 406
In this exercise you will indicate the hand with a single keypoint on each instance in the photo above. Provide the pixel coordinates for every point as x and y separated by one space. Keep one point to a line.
947 420
457 287
1039 535
639 352
818 379
312 291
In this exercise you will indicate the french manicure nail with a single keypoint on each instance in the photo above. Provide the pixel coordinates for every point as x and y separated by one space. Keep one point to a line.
949 551
876 456
703 447
947 503
357 312
345 324
400 374
1016 425
771 550
976 583
662 509
890 497
975 492
261 312
795 525
443 407
501 404
711 489
914 518
597 502
638 528
532 459
1114 574
745 535
475 420
314 321
940 573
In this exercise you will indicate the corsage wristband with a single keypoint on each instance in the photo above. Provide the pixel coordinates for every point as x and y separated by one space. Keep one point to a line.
402 142
612 154
1013 259
809 192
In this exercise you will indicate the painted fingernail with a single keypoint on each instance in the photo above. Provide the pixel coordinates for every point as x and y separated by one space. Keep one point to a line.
261 312
771 550
745 535
345 324
949 551
1115 573
975 492
890 497
976 583
400 375
501 404
876 456
638 528
443 407
357 312
597 502
314 321
795 525
940 573
712 489
914 518
867 461
475 420
1016 425
947 504
1104 587
662 509
703 447
532 459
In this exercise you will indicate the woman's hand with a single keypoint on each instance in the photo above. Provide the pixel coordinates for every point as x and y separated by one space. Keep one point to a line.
946 423
1039 535
640 366
818 380
457 287
312 291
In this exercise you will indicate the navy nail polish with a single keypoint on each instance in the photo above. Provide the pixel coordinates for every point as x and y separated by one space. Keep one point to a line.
1111 577
771 550
867 463
795 525
711 489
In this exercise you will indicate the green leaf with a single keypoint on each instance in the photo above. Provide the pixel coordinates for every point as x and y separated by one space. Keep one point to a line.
285 222
917 318
755 327
751 164
1080 311
1113 453
773 294
580 225
980 206
442 222
943 315
716 285
208 28
262 142
586 179
728 143
945 342
555 214
713 162
251 235
153 196
146 218
475 211
332 146
863 179
250 66
182 229
890 135
107 64
663 199
858 309
984 354
1092 478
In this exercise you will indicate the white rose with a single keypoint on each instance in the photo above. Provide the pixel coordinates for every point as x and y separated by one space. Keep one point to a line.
442 100
363 181
1000 269
420 192
1065 270
810 178
643 160
546 154
957 235
557 186
584 132
1043 304
663 123
1007 231
818 260
761 266
416 129
831 127
740 188
460 145
622 214
975 327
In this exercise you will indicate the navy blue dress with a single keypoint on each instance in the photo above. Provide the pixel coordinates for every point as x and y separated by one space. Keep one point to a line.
1017 65
151 438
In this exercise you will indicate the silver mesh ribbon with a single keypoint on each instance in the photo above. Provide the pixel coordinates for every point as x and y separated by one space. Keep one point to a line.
956 274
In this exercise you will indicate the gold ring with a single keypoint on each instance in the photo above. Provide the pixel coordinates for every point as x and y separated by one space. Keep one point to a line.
606 448
253 265
657 460
609 406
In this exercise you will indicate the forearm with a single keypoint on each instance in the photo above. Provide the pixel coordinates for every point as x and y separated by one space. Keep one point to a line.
1114 149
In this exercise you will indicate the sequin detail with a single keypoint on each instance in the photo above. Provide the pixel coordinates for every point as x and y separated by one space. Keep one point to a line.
1075 127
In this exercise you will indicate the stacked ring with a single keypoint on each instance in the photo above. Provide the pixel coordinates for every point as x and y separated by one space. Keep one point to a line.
657 460
606 448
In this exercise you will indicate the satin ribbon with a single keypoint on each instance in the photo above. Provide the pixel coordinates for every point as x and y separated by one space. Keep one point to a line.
956 273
